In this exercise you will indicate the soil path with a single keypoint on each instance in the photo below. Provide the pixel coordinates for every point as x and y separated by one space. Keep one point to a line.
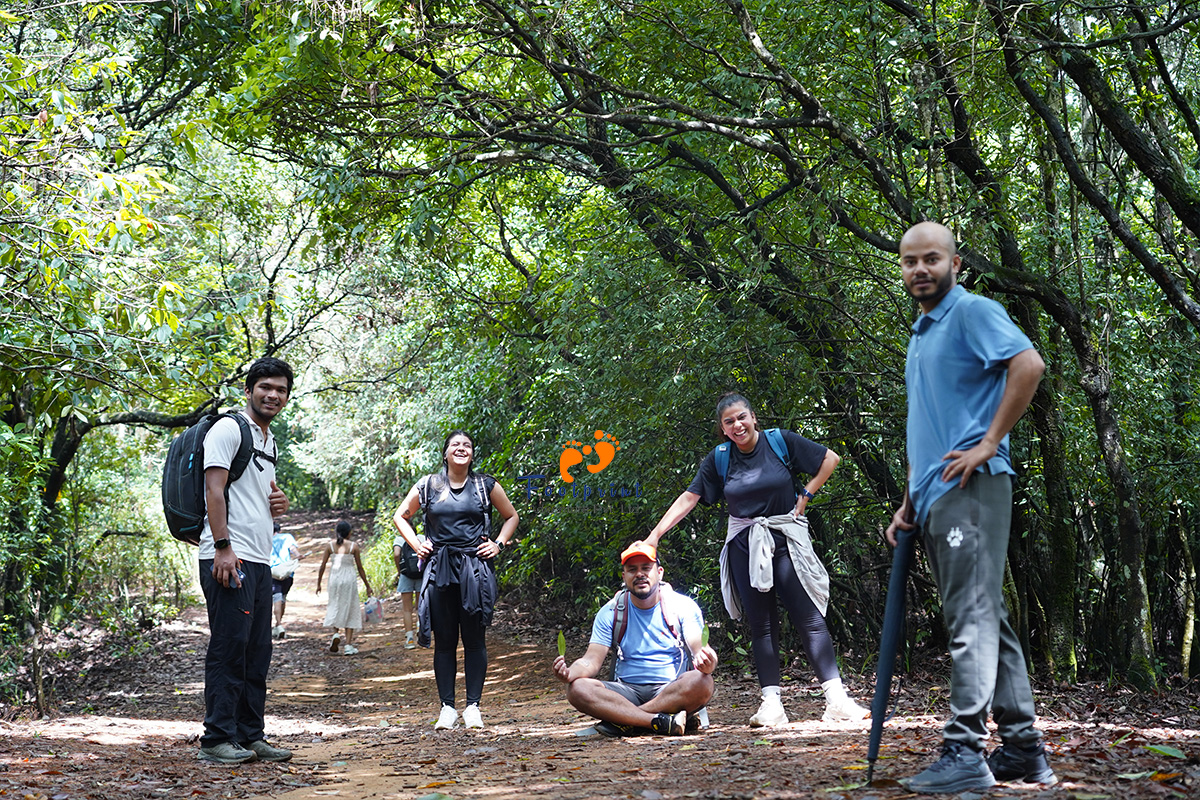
362 727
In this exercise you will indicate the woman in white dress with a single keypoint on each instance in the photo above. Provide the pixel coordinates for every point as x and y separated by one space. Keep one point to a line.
344 610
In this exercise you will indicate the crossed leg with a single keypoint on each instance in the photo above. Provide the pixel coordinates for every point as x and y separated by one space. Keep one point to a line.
690 692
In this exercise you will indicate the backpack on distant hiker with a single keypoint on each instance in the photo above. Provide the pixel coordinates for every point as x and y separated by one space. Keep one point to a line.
774 438
183 475
410 562
621 622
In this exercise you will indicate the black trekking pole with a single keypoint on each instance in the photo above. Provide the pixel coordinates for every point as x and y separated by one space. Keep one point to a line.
889 641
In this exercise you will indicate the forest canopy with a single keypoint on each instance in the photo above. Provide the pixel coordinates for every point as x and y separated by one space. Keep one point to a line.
540 221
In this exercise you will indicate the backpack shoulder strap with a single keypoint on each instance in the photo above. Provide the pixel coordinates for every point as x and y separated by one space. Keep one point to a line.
245 451
670 614
620 623
485 503
721 460
423 493
779 446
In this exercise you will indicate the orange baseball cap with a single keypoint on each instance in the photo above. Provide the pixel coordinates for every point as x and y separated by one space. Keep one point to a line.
640 549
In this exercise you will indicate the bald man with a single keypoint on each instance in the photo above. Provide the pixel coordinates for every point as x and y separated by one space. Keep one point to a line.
971 373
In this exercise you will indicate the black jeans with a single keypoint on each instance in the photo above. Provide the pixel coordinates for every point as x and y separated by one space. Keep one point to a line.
447 619
239 655
762 614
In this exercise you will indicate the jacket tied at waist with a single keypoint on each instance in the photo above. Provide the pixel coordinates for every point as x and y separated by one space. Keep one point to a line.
476 579
810 570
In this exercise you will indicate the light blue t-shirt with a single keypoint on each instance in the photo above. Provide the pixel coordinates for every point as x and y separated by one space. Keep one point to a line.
955 375
651 652
284 551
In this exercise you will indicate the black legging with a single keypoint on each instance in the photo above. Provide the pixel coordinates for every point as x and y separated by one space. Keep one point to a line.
446 619
762 613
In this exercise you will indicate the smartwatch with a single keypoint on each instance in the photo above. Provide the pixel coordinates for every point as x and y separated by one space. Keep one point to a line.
804 491
221 544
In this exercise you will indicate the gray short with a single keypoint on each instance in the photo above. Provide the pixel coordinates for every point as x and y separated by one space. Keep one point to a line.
636 693
407 584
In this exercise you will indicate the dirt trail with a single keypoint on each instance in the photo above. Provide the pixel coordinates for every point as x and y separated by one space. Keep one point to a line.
362 727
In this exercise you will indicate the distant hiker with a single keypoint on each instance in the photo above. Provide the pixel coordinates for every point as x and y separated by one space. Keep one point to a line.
409 568
971 373
768 555
344 610
661 675
235 573
458 589
285 558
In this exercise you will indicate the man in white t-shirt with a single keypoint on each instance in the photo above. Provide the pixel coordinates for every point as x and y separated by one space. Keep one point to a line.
235 572
653 686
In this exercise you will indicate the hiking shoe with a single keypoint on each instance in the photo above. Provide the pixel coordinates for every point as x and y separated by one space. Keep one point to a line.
960 768
266 752
447 719
410 641
693 722
669 724
606 728
1011 762
844 710
349 650
770 713
335 643
471 717
226 753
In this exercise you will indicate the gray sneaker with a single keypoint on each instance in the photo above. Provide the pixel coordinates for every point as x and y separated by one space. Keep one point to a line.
226 753
266 752
960 768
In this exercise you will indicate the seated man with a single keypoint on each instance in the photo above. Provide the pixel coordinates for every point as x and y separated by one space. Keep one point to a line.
653 684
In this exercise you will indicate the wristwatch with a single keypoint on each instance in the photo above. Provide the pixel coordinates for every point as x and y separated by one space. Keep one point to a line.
221 544
810 495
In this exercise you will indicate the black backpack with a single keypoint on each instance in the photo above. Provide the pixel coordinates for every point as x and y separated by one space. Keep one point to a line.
183 475
410 562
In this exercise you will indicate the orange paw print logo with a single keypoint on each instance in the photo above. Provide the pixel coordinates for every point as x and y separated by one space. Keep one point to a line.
606 448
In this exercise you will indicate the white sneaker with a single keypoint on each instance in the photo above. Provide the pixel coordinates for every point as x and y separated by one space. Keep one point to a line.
410 641
279 631
844 709
446 719
471 717
770 713
349 650
335 643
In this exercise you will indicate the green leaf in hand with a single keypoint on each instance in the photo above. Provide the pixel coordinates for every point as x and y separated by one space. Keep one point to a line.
704 637
562 645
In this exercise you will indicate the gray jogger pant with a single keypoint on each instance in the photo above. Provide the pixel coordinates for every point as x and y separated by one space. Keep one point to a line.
966 539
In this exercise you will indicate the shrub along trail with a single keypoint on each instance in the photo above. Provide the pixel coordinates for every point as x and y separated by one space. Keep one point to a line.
362 727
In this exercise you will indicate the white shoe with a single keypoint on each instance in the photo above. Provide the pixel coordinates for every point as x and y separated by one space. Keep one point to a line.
770 713
335 643
349 650
410 641
843 709
471 717
278 631
446 720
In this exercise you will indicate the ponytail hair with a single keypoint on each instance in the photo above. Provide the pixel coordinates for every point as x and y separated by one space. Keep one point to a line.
343 530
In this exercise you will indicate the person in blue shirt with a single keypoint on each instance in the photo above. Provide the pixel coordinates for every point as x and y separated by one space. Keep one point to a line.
653 687
971 373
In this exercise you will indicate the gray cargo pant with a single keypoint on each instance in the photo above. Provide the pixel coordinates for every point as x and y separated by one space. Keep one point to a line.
966 539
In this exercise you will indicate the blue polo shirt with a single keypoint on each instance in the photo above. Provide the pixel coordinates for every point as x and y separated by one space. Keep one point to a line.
955 375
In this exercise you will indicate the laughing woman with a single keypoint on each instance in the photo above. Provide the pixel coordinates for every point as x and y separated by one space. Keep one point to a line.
458 589
768 555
